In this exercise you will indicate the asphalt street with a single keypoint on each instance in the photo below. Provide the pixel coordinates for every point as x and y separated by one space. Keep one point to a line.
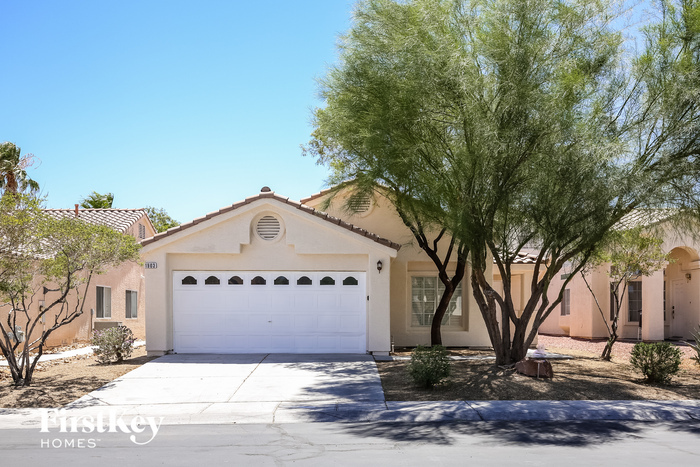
559 443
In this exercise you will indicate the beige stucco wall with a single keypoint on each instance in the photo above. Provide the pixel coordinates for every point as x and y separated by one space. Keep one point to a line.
227 242
383 220
678 284
127 276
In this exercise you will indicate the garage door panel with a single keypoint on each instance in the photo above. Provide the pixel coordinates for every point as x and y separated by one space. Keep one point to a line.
267 318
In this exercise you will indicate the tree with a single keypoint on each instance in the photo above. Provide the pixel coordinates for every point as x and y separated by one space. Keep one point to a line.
160 219
62 255
97 201
514 122
13 173
629 255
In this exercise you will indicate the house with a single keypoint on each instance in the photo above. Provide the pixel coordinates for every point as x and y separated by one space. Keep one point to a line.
118 295
665 305
269 274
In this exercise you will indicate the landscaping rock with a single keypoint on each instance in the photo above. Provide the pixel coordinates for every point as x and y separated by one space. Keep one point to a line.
537 368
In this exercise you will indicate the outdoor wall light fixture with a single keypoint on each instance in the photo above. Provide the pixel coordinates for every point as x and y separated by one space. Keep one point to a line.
379 266
41 305
688 276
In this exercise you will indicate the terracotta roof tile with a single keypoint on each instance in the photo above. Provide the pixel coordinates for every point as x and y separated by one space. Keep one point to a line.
272 195
118 219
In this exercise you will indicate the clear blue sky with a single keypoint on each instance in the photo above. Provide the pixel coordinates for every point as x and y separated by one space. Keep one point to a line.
185 105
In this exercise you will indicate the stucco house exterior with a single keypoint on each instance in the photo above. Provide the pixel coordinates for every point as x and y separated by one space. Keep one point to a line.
668 301
269 274
118 295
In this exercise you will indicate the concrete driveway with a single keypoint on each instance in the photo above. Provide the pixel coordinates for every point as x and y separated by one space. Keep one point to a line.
208 388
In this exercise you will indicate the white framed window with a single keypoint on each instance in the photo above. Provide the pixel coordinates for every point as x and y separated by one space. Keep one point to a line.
426 292
566 303
132 304
103 302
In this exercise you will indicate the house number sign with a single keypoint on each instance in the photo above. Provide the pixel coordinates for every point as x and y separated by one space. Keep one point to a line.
151 265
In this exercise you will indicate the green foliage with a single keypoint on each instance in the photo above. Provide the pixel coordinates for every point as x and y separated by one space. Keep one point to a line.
160 219
511 122
97 201
13 173
658 362
695 345
429 365
113 345
38 251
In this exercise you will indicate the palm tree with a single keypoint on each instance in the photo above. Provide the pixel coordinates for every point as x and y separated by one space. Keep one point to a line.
97 201
13 173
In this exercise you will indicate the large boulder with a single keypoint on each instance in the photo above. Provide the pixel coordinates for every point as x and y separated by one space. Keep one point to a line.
535 367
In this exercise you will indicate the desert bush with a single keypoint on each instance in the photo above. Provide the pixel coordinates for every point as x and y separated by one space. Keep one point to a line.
429 365
658 362
696 345
113 345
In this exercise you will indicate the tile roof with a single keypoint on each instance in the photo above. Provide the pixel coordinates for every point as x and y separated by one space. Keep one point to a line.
273 196
118 219
644 218
525 258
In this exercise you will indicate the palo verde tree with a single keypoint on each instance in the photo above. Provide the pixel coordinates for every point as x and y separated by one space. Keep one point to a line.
628 255
514 122
38 253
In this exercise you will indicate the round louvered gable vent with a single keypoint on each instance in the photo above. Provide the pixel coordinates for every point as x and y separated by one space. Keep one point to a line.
268 228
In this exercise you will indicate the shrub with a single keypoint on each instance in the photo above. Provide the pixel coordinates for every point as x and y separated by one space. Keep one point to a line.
113 344
658 362
696 346
429 365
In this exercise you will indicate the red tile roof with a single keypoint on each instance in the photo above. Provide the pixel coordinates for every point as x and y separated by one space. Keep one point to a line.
273 196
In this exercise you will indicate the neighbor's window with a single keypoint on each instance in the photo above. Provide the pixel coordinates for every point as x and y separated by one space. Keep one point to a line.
103 302
426 292
566 303
634 300
132 304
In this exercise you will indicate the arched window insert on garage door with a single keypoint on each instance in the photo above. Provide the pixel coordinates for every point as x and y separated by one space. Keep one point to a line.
257 280
235 280
327 281
212 280
281 280
349 281
304 280
189 280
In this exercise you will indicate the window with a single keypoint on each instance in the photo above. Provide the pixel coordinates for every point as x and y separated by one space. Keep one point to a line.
281 280
566 303
132 304
304 280
634 300
350 281
235 280
212 280
426 292
257 280
189 280
103 302
327 281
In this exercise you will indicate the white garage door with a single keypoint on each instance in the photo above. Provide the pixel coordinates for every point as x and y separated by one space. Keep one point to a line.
268 312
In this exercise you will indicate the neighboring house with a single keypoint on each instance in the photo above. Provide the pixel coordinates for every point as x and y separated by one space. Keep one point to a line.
668 301
269 274
118 295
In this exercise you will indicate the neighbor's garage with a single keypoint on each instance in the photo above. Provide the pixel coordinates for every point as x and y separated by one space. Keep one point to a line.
268 312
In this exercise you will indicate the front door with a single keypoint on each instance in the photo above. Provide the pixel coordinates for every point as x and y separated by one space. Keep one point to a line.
680 309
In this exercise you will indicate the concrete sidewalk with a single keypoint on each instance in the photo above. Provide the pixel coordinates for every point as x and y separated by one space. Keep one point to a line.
389 411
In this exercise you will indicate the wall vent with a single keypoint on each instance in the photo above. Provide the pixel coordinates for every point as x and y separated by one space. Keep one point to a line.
268 228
